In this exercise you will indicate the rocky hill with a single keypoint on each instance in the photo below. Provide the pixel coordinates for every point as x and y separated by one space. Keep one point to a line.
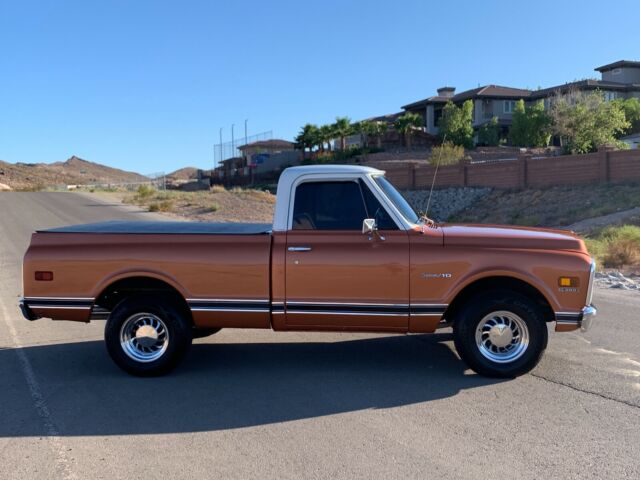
186 173
34 176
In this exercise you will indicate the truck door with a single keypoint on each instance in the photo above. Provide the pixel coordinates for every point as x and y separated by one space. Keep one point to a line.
336 276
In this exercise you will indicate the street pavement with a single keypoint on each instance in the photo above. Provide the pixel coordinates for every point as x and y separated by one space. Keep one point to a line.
257 404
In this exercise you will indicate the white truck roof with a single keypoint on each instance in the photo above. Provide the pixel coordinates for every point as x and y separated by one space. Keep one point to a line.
292 176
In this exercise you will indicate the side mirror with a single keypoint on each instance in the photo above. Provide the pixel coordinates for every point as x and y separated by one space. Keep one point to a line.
369 226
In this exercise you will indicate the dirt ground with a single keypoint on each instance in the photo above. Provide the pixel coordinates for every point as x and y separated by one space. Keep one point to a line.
216 205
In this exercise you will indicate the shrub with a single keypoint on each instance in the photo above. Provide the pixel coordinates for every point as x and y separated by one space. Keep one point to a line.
164 206
218 189
446 154
145 191
489 133
214 207
616 247
621 252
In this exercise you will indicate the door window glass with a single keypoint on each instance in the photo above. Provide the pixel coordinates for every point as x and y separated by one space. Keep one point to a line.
328 206
376 210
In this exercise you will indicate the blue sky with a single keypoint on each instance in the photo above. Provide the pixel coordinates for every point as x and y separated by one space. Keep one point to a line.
146 85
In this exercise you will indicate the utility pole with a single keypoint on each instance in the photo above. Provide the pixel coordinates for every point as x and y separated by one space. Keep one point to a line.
245 130
233 143
220 144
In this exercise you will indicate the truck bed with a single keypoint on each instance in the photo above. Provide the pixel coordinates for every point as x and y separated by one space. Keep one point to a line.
222 270
162 227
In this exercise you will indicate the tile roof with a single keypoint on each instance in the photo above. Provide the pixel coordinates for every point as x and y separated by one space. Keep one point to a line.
273 143
486 91
619 63
588 84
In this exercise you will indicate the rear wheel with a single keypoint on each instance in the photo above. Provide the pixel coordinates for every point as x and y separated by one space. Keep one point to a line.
500 334
147 336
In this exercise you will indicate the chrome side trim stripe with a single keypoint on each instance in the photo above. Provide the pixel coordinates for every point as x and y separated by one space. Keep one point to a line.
226 300
227 305
405 305
58 302
391 309
232 310
59 307
314 308
569 318
88 299
336 312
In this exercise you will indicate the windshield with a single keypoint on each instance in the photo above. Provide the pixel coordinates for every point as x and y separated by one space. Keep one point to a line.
397 199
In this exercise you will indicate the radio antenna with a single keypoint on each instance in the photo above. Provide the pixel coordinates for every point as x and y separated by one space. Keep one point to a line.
435 173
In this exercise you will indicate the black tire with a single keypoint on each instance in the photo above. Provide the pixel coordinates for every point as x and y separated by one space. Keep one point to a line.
520 309
204 332
171 344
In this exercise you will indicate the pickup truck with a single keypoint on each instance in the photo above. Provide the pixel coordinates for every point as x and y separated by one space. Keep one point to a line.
345 252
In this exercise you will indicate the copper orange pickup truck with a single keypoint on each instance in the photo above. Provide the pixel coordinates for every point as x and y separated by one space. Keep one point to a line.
345 252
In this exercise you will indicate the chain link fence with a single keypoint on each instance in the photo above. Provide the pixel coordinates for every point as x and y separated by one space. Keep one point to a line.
225 150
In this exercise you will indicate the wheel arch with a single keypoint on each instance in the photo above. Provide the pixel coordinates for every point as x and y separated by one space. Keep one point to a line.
126 286
499 282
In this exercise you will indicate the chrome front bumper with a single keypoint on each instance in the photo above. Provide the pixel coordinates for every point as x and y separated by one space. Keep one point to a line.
588 314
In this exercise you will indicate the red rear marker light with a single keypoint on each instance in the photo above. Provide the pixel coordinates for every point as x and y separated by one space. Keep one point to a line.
44 276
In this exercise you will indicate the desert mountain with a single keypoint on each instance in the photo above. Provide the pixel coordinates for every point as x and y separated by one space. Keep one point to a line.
71 172
186 173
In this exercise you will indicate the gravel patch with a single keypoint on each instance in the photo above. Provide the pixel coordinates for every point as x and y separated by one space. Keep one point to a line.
615 279
445 202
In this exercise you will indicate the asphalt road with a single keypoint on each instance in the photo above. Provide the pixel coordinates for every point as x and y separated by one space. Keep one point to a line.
253 404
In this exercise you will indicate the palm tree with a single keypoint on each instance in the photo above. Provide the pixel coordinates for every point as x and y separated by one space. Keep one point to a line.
373 129
406 125
307 138
342 129
326 135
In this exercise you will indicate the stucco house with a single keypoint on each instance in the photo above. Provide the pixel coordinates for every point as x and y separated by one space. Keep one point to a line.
620 79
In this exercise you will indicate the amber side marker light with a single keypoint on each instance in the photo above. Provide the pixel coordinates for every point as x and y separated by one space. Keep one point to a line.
44 276
568 281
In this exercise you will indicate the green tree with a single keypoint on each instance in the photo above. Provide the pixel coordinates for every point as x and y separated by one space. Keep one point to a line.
456 124
406 125
530 125
585 122
489 133
342 129
631 108
307 137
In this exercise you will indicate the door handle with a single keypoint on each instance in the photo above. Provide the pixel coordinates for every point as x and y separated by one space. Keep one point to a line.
299 249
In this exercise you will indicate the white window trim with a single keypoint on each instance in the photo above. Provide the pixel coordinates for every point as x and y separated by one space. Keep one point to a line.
616 71
511 103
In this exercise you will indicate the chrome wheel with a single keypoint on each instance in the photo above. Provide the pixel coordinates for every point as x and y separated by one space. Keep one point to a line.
144 337
502 336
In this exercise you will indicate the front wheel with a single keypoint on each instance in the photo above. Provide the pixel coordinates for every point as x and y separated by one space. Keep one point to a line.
500 334
147 336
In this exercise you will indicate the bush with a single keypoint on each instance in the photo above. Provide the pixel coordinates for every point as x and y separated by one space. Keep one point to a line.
489 133
145 191
446 154
164 206
616 247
